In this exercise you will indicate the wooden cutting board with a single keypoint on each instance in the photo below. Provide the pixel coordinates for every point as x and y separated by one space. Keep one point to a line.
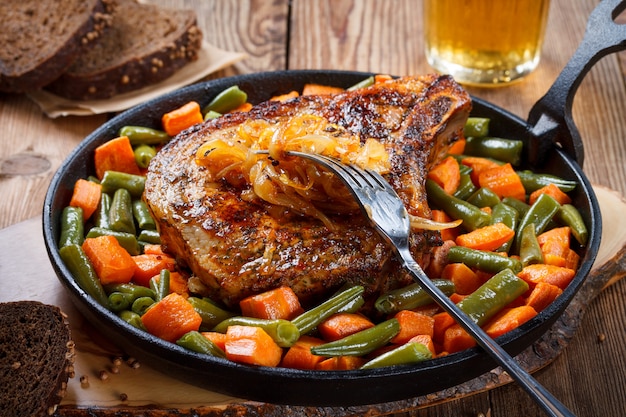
104 386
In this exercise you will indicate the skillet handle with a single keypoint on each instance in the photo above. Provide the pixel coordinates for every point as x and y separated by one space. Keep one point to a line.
550 120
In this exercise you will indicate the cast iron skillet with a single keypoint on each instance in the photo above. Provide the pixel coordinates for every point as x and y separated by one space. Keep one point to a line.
553 145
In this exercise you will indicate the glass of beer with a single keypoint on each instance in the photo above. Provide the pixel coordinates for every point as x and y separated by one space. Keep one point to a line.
484 42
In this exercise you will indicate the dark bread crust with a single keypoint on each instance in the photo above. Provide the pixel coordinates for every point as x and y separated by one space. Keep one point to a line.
145 45
36 358
33 57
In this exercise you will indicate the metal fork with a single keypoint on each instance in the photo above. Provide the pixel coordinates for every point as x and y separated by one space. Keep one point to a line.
382 205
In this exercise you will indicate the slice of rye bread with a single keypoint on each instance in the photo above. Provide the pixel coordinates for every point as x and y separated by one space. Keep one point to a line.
36 358
40 40
145 45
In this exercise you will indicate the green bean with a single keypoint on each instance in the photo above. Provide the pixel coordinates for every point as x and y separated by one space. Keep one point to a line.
150 236
540 214
83 272
127 240
211 115
533 181
113 180
503 213
131 318
142 215
530 251
119 301
410 297
142 304
101 216
72 226
211 314
283 332
473 218
227 100
362 84
309 320
492 296
196 342
405 354
161 287
477 127
121 213
483 197
134 290
570 216
483 260
504 150
360 343
466 187
521 207
143 155
141 135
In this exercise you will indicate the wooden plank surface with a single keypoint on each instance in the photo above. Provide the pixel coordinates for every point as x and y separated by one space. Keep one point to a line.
385 36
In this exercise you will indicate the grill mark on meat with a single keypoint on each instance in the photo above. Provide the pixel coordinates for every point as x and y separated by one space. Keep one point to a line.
238 248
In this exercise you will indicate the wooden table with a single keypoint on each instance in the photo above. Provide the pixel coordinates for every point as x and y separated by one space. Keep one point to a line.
385 36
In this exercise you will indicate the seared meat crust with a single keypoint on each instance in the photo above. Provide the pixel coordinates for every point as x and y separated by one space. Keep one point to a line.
238 248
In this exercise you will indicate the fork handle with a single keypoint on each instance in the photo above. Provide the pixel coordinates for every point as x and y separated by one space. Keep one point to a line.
550 404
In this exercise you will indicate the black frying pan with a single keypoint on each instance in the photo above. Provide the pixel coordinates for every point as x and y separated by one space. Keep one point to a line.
553 146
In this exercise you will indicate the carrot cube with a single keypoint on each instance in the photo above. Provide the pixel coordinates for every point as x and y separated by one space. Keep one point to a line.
251 345
171 318
279 303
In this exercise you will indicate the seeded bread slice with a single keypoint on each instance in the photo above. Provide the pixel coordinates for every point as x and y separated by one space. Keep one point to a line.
145 45
41 39
36 358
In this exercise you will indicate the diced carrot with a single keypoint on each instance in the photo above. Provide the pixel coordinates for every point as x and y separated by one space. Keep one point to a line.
148 265
251 345
425 340
244 107
560 234
555 244
218 338
486 209
311 89
153 249
556 260
112 263
553 191
488 238
509 319
465 280
115 155
279 303
411 325
446 174
478 165
456 297
504 181
341 325
171 318
299 355
457 339
542 295
443 320
285 97
86 195
555 275
458 147
572 259
341 363
181 118
382 78
442 217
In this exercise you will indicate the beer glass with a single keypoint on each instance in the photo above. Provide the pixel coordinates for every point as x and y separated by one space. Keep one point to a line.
484 42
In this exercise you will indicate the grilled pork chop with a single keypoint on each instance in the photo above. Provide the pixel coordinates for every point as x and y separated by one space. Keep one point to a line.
239 247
